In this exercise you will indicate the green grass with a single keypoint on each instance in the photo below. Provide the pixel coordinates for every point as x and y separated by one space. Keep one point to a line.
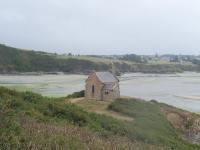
18 109
149 124
29 119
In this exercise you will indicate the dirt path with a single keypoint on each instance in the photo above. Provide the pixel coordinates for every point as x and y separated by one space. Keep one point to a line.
75 100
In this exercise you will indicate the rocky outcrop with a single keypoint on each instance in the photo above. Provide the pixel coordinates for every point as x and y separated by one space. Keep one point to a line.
188 123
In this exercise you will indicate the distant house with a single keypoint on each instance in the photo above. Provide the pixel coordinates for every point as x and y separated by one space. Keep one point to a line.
102 86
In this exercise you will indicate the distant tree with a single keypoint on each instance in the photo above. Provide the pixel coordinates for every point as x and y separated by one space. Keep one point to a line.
132 57
174 59
196 61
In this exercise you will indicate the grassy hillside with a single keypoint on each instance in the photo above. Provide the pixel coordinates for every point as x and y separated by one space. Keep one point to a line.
146 67
30 121
151 126
14 60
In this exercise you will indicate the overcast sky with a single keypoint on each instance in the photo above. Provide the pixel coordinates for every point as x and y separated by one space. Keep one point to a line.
102 26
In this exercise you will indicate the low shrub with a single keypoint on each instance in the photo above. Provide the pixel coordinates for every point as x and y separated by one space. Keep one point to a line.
32 97
77 94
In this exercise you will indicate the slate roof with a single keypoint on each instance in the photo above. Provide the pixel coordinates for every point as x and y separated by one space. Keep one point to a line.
106 77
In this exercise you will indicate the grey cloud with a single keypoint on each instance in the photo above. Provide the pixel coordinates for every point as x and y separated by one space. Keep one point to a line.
102 26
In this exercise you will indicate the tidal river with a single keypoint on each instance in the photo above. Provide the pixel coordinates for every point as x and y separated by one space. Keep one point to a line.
180 90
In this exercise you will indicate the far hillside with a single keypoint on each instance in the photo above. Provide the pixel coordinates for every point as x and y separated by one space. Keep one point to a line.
14 60
17 60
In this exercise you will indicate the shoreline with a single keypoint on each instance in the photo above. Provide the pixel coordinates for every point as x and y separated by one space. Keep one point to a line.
85 73
41 73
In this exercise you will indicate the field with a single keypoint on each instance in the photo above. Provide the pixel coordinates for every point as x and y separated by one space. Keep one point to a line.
108 60
96 59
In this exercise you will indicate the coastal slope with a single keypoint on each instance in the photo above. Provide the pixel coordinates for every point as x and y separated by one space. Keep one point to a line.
31 121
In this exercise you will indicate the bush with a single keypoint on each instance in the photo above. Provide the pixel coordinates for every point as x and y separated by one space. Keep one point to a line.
77 94
69 112
31 97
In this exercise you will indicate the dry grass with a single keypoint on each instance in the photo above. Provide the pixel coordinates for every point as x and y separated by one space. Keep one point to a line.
46 136
178 118
99 107
188 123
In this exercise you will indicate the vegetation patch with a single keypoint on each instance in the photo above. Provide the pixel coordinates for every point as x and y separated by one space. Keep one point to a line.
150 125
30 121
77 94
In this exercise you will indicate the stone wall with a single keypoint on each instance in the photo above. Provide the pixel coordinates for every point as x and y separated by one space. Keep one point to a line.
93 80
111 94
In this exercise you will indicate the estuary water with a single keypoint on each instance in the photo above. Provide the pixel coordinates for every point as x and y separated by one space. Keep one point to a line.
181 90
